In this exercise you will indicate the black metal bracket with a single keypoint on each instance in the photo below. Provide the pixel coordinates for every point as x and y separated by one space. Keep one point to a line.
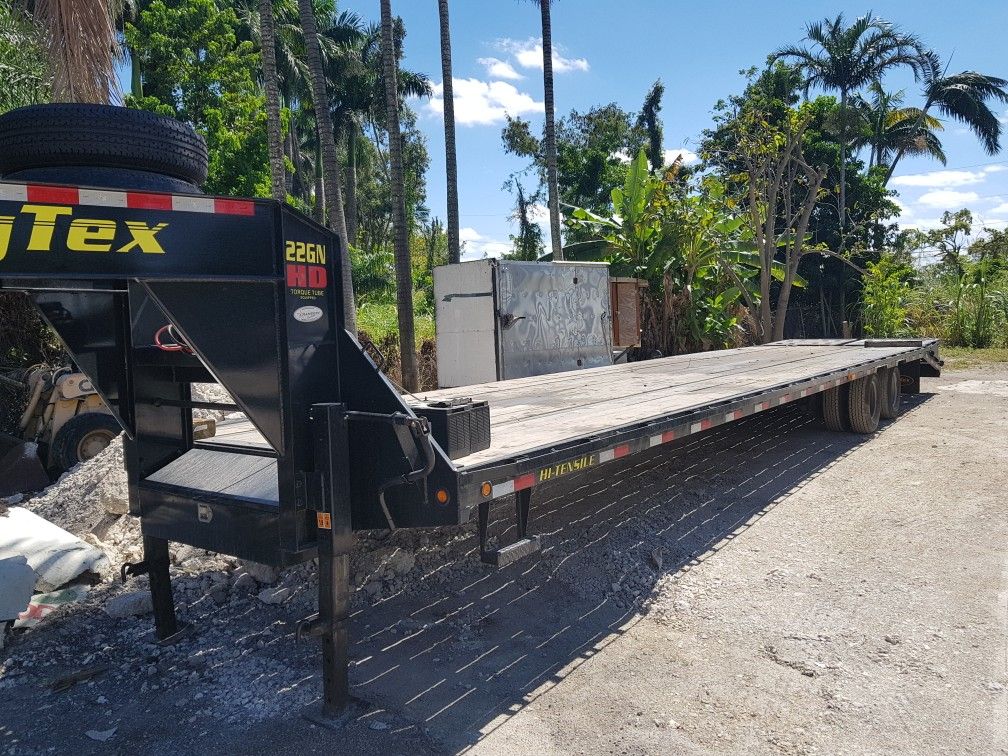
524 544
419 429
143 567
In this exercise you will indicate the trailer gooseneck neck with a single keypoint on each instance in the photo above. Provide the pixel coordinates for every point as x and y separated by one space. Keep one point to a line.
250 290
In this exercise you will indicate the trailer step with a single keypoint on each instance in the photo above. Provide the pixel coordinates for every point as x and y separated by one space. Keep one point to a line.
512 552
525 544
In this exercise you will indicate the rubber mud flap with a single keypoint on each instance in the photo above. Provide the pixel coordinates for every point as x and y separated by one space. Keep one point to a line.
105 136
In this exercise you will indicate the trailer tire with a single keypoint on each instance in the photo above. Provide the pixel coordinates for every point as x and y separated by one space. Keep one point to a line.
865 404
835 412
81 438
100 136
889 378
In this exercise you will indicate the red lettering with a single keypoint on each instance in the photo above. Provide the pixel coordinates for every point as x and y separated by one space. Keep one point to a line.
316 277
297 277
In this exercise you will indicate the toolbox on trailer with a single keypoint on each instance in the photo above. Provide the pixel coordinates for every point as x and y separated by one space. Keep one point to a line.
251 288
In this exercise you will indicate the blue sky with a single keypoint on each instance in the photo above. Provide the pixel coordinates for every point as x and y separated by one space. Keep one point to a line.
610 52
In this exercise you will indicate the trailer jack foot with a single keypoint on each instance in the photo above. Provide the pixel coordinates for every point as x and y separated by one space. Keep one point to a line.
318 714
155 564
525 544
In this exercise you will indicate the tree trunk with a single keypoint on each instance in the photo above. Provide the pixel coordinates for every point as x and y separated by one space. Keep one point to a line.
351 182
319 188
136 75
330 160
843 160
765 320
298 185
550 140
451 161
404 271
273 130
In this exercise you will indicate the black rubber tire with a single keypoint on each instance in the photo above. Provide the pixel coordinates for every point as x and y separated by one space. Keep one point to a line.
69 135
889 380
65 451
865 404
835 413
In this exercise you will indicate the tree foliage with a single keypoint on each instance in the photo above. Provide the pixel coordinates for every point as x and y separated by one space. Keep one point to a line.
196 69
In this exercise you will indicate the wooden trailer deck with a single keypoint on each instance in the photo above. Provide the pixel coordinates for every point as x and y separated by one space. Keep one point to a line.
530 415
541 426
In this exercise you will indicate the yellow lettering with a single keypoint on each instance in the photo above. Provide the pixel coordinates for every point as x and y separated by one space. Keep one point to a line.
289 254
43 225
88 235
320 251
143 237
299 255
6 224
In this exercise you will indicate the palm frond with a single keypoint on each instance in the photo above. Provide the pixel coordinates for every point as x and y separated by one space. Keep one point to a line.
82 46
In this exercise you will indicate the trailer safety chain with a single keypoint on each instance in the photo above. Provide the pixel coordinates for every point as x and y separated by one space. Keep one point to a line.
419 429
177 343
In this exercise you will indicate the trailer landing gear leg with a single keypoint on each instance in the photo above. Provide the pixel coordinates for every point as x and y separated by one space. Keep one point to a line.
155 565
335 538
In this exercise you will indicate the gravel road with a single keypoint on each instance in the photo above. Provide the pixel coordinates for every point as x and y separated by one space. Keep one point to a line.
767 587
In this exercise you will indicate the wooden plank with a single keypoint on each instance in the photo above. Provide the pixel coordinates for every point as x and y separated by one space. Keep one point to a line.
532 426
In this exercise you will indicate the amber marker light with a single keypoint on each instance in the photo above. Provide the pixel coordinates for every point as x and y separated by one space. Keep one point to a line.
486 489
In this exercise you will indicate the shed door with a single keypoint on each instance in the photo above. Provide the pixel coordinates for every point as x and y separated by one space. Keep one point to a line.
552 317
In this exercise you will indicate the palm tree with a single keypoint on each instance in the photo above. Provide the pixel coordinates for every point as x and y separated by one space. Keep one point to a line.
848 58
891 127
362 100
270 85
962 97
451 160
404 269
549 143
330 160
82 48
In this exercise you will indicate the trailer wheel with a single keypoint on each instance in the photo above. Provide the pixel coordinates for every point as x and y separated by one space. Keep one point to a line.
834 404
100 136
889 378
81 438
865 404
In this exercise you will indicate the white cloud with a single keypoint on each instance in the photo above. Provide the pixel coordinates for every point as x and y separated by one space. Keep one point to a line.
999 224
946 179
1001 209
922 224
500 69
947 199
688 156
476 246
539 214
483 102
529 54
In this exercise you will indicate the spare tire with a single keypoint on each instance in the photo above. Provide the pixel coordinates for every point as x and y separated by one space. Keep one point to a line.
100 136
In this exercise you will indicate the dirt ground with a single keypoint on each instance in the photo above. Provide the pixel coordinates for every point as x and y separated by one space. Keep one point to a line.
767 587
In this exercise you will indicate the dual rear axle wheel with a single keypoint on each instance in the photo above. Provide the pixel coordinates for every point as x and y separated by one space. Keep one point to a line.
859 405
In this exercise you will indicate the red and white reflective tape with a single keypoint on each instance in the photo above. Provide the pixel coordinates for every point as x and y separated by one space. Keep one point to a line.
71 195
680 431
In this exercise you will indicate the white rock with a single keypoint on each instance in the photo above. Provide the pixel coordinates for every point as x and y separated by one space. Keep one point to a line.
275 595
101 736
114 500
263 573
133 604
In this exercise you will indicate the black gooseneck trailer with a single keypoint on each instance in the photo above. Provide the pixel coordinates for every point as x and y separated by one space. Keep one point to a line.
152 291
